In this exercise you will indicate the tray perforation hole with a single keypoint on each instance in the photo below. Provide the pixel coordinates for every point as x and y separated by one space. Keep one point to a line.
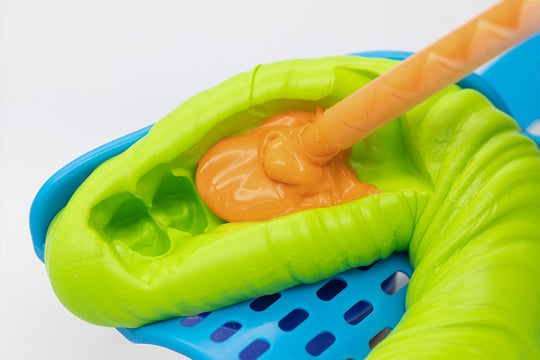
329 290
293 319
358 312
320 343
254 350
225 331
193 320
395 282
263 302
381 335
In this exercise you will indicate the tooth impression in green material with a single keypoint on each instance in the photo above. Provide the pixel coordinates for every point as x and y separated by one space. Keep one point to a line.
461 184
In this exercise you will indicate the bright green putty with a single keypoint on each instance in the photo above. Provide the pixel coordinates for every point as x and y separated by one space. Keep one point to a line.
461 184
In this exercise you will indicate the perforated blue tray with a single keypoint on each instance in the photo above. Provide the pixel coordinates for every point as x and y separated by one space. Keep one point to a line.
342 317
335 319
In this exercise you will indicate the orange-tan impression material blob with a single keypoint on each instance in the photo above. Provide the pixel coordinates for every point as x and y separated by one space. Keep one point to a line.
295 161
266 173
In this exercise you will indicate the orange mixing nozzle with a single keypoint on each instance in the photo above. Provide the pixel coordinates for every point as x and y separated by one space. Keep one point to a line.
422 75
296 162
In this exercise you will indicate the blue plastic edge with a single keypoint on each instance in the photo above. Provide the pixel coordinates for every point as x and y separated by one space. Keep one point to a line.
59 188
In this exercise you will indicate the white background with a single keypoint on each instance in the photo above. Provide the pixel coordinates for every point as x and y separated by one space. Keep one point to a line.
77 74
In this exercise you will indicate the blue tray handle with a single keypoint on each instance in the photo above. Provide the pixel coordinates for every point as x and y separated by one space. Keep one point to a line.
516 77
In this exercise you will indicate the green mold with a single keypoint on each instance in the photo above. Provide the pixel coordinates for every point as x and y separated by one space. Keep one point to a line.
461 184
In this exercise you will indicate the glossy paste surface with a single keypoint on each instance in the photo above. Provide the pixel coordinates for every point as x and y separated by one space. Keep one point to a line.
461 192
265 173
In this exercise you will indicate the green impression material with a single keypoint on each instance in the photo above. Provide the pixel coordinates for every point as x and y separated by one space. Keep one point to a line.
461 184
